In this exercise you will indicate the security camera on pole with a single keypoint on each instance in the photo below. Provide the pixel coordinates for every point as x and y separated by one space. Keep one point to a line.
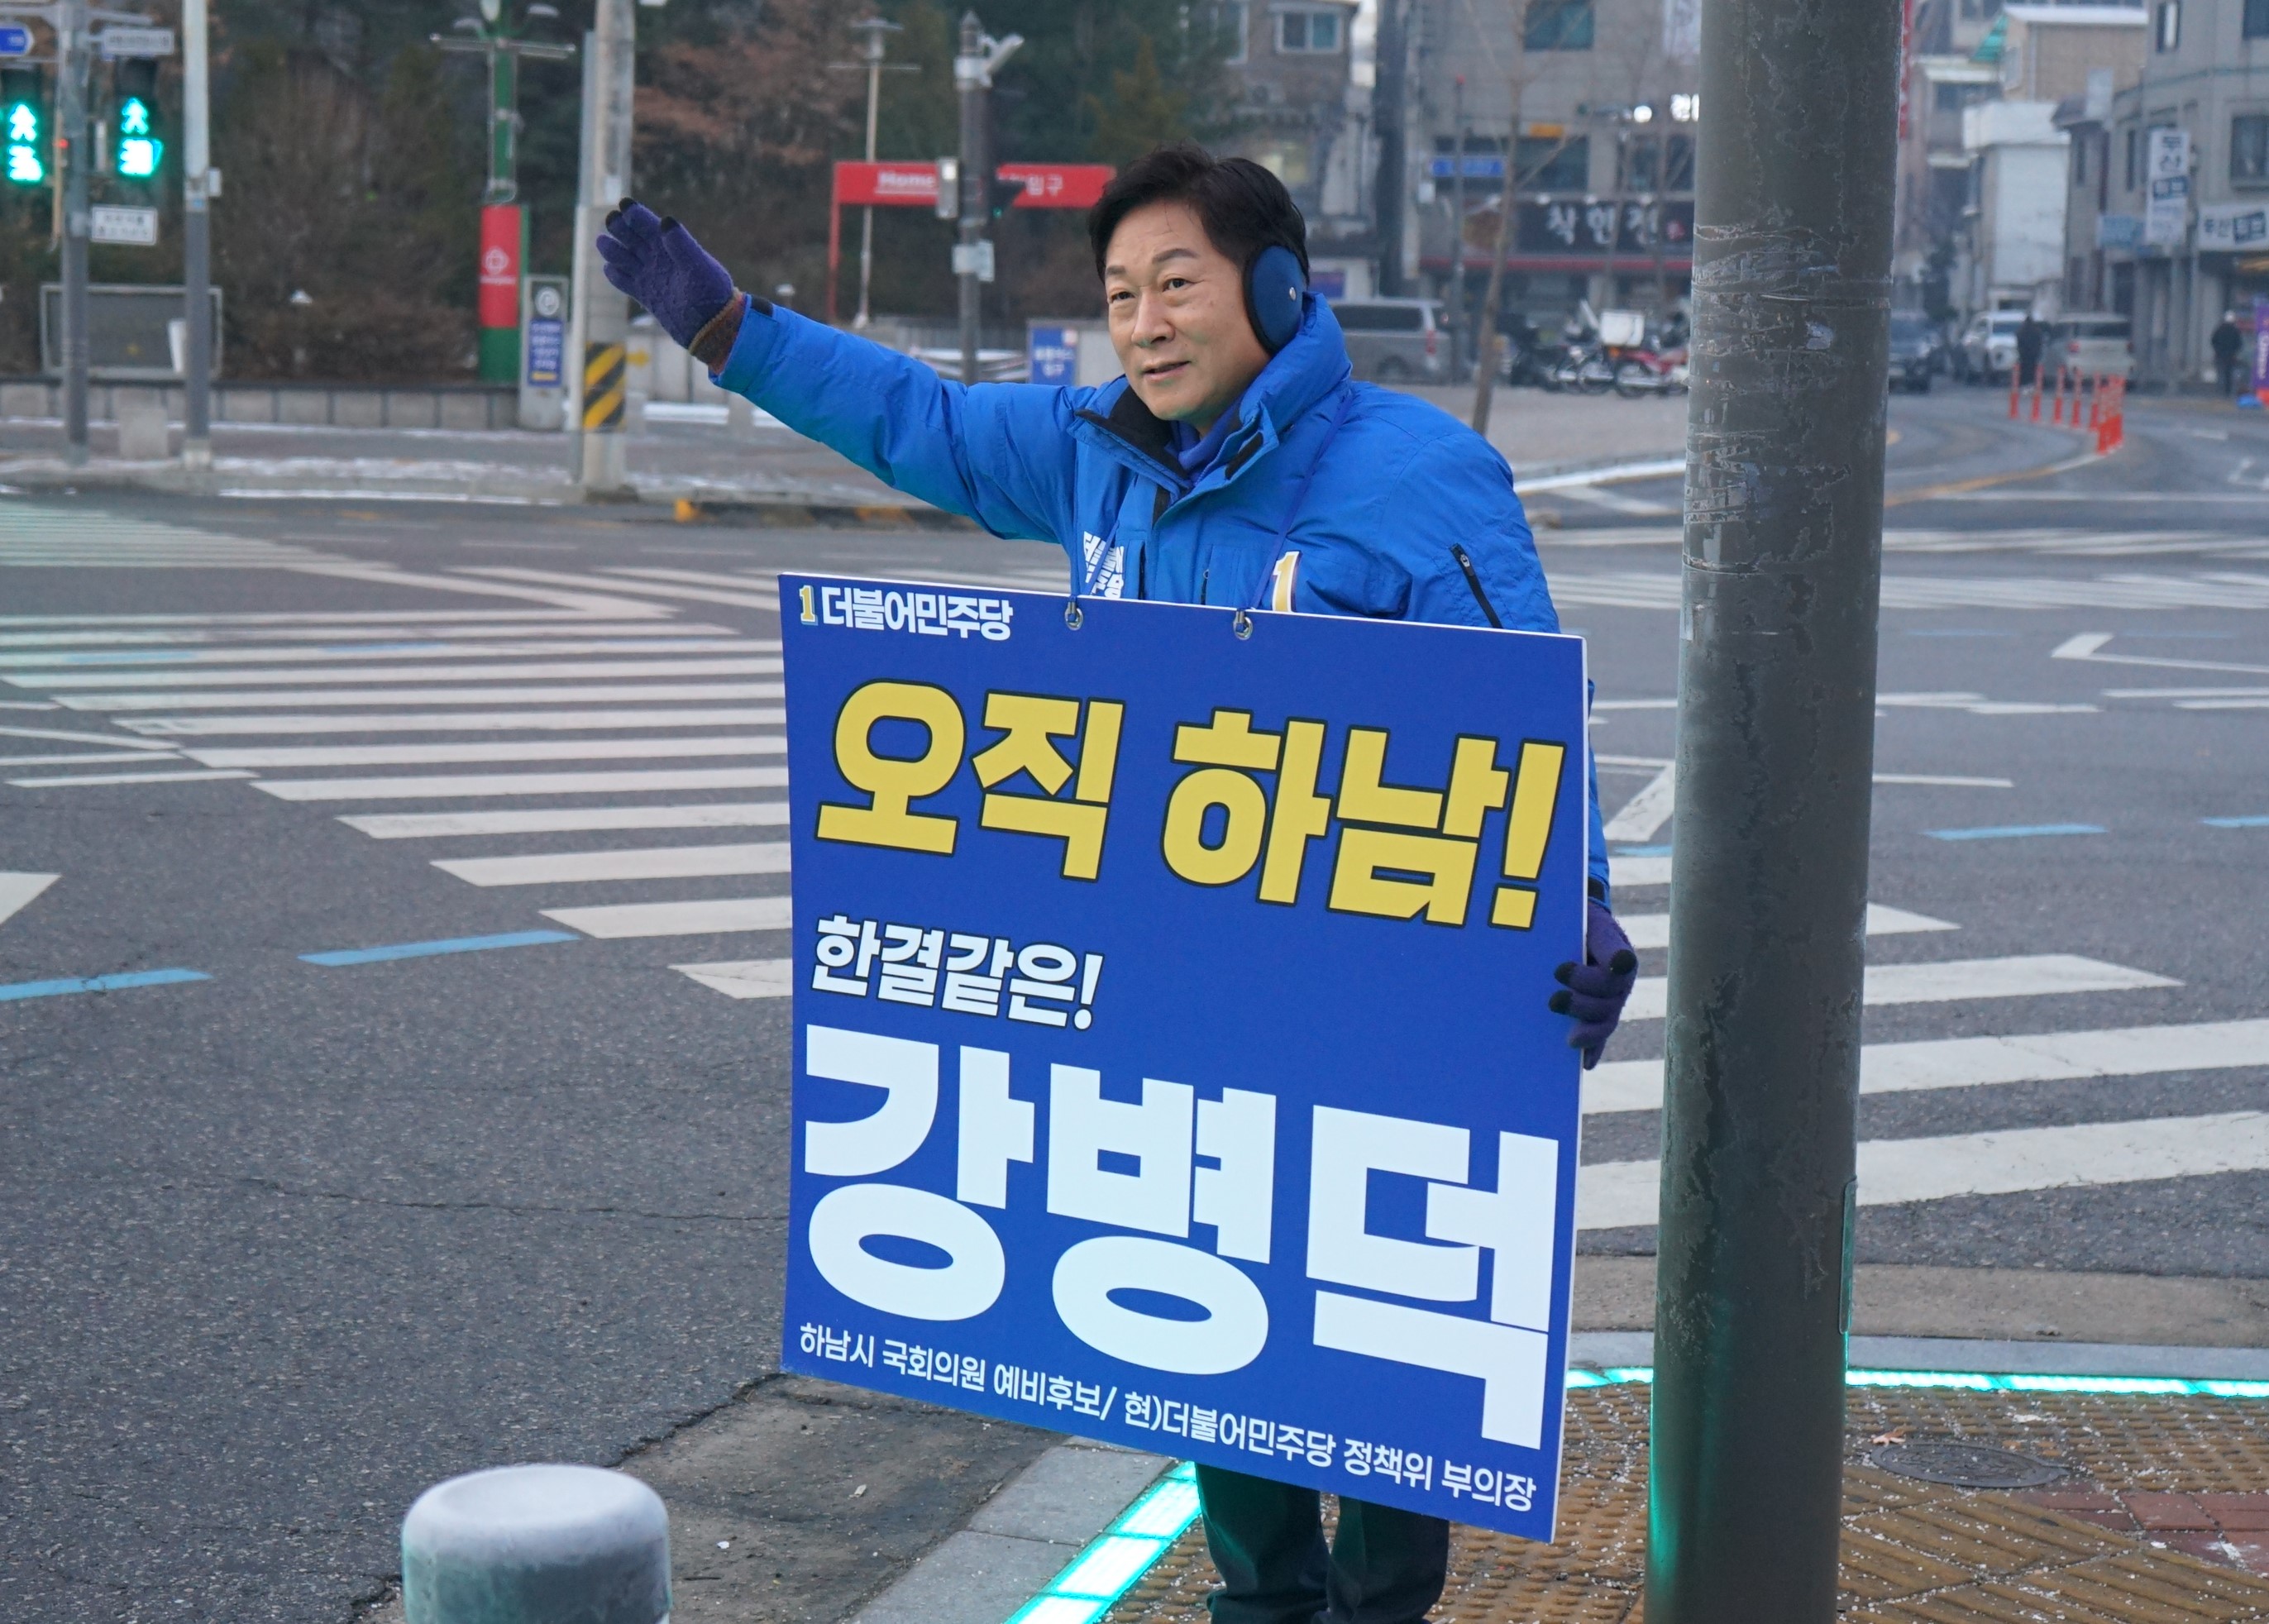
980 58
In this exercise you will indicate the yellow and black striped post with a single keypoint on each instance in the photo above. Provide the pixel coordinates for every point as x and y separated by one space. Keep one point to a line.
604 371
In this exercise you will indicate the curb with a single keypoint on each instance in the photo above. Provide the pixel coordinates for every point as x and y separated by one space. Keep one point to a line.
1021 1539
1604 1350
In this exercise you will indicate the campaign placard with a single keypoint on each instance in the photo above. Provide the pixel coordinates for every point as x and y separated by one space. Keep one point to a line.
1173 1058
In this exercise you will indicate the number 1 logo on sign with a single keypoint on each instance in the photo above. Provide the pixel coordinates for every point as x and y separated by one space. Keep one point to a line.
1260 1154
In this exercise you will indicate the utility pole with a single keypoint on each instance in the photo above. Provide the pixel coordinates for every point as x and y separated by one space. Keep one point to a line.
876 30
600 397
1388 203
979 57
1776 728
74 150
198 184
1461 334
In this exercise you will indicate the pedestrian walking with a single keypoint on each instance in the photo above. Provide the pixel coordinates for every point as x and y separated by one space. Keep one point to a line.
1237 463
2228 341
2032 337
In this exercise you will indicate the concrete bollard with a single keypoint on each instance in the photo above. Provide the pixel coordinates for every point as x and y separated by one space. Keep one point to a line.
537 1544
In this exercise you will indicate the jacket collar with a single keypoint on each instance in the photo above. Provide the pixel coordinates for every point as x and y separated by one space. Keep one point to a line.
1297 378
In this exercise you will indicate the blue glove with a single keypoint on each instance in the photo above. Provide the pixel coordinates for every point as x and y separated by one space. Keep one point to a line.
1594 991
657 262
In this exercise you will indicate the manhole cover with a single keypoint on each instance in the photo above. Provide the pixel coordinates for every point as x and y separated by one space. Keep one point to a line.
1965 1465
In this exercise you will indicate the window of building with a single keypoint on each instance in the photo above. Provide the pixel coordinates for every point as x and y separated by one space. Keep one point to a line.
1658 163
1307 32
2256 19
1546 164
2249 150
1557 25
1236 18
2170 29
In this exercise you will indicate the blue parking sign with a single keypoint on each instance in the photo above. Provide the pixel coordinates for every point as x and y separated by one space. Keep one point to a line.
1173 1058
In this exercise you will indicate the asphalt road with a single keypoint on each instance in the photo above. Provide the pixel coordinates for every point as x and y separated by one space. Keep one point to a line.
285 1242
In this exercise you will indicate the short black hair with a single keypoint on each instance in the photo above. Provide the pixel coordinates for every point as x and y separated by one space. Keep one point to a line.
1243 207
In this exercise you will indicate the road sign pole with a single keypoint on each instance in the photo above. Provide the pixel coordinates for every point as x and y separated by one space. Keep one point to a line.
1777 684
969 79
196 238
74 151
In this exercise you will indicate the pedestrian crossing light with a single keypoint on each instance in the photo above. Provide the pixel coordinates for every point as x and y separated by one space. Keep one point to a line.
139 151
23 145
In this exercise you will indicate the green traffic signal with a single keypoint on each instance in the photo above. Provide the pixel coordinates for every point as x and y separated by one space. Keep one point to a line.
139 151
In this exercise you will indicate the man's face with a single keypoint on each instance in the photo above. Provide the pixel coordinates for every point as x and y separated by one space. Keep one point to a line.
1176 309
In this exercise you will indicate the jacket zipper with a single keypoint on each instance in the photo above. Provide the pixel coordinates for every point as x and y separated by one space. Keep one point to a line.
1474 581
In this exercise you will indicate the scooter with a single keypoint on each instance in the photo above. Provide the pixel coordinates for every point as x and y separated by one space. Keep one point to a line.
1643 370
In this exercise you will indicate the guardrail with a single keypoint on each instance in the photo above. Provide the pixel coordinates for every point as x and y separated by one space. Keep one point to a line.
347 406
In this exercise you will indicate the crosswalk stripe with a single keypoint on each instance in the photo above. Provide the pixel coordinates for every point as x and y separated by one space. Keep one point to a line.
266 620
470 785
569 820
305 698
474 755
85 738
1646 812
1950 980
94 780
1613 1195
37 663
79 758
663 862
748 978
1653 930
170 637
580 669
713 916
1652 590
748 597
17 891
1986 1062
439 721
1631 873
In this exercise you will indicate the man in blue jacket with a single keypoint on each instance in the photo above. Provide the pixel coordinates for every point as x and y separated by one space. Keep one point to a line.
1235 463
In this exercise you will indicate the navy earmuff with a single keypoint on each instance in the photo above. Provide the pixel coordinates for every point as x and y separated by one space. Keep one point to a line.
1274 288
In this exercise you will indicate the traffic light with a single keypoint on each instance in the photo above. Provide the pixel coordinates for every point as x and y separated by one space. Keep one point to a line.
23 127
140 148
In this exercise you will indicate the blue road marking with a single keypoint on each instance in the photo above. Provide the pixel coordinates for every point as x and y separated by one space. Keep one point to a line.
2236 823
1640 850
100 984
2014 831
426 949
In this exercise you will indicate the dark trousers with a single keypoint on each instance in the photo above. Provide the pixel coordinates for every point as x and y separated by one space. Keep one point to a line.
2227 366
2027 371
1385 1566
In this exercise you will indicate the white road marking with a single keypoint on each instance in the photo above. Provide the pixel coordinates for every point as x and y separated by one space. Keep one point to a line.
91 780
1615 501
1634 873
748 978
429 648
9 763
474 755
714 916
442 721
454 787
563 694
2023 975
578 669
17 891
1649 590
1653 930
1986 1062
357 620
1646 812
1946 780
747 597
404 631
569 820
664 862
1612 1195
110 739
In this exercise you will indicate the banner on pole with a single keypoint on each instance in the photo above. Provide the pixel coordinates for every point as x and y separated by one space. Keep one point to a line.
500 280
1172 1061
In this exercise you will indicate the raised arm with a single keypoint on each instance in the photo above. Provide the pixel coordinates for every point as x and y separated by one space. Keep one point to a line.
1002 454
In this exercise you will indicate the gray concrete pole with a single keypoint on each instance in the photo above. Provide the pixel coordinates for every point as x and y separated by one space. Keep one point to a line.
602 353
1777 687
1461 341
969 78
536 1545
196 238
77 153
1389 201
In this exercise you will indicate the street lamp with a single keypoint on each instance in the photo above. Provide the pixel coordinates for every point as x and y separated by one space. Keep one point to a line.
875 31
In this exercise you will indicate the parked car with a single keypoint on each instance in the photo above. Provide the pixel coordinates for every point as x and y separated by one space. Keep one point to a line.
1988 349
2092 343
1395 340
1914 351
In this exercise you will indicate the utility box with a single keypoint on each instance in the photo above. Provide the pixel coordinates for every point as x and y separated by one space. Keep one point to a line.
127 336
544 306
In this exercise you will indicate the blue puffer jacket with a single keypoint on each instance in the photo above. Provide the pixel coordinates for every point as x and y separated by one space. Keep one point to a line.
1395 509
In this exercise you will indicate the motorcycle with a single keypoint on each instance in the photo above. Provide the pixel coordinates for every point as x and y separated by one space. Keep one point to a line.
1584 368
1641 370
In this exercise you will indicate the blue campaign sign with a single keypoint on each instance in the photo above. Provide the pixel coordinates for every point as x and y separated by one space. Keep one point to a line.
15 42
1172 1056
1054 355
